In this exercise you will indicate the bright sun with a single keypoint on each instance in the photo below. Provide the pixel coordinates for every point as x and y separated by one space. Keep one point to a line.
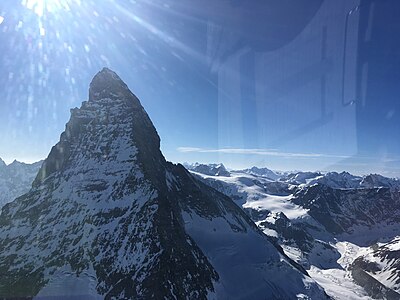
41 7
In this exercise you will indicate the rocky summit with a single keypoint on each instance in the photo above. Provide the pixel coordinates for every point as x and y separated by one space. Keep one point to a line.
109 218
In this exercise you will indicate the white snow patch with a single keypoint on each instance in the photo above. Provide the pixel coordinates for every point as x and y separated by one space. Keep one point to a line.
338 284
270 232
253 193
394 245
275 203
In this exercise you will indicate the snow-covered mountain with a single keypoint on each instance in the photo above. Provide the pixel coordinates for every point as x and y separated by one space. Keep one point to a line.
263 172
376 180
324 221
109 217
336 180
343 180
208 169
301 177
16 179
340 210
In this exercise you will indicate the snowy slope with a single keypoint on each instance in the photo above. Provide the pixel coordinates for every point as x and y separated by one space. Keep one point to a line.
253 192
245 261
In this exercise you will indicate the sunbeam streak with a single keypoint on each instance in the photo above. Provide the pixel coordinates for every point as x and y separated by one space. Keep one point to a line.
41 7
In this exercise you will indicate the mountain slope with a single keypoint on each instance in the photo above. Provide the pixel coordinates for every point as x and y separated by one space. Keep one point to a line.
109 216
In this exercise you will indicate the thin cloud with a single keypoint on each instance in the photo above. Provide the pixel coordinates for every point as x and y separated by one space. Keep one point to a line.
265 152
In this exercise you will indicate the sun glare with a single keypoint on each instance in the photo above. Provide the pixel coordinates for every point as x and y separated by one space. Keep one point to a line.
41 7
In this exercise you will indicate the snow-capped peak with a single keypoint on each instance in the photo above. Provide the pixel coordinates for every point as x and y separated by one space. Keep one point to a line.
264 172
376 180
343 180
215 169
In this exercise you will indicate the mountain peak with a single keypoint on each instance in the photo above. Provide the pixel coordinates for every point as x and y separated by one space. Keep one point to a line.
16 162
107 84
117 113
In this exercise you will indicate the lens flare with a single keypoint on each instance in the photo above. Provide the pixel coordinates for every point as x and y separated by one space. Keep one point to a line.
42 7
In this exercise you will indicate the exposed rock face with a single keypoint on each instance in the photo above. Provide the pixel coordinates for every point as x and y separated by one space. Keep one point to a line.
377 270
380 263
108 215
338 210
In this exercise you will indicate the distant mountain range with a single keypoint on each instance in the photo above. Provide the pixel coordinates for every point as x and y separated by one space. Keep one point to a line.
343 180
343 229
16 179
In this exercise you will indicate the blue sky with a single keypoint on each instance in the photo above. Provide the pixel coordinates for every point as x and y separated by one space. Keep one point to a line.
234 83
